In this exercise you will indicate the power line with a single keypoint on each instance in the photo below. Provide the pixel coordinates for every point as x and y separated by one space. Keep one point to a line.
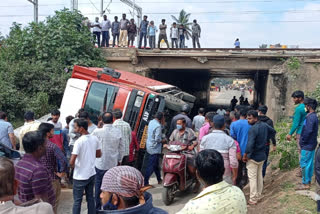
224 12
179 2
94 6
215 22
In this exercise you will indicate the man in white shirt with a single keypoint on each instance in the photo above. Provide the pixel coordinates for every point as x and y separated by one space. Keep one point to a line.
83 158
198 120
112 148
125 131
91 125
124 24
174 35
221 111
96 31
105 26
29 125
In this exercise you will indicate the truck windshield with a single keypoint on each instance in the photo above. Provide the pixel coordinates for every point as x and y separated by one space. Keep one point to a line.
98 100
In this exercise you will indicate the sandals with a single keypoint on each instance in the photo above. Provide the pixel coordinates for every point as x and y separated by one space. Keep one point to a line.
252 203
303 187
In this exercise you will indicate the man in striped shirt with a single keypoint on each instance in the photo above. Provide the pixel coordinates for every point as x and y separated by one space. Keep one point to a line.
34 179
50 161
126 133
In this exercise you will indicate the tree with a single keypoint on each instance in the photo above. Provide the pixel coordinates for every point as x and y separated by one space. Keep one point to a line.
35 62
184 20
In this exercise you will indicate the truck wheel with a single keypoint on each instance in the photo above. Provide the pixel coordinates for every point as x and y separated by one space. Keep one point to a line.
173 103
168 195
191 105
188 97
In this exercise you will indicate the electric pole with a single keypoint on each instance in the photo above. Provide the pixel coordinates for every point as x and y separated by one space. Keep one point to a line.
35 10
101 8
74 5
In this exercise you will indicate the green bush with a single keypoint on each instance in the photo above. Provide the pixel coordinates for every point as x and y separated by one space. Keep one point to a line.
289 157
36 61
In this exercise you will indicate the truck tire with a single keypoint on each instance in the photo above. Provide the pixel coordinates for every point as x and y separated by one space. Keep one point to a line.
188 97
173 103
191 105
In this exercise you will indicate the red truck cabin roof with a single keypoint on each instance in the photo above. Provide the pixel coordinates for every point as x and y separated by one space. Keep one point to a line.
126 77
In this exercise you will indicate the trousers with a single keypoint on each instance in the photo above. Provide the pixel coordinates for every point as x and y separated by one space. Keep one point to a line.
265 164
96 36
123 41
151 163
306 164
105 39
255 179
98 181
195 40
78 187
143 36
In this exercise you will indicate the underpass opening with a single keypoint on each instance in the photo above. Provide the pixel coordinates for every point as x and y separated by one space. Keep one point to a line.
197 82
224 91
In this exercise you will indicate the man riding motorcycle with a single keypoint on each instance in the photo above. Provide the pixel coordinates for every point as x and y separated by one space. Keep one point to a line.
187 137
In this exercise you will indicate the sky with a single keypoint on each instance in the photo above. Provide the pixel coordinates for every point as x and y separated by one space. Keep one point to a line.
254 22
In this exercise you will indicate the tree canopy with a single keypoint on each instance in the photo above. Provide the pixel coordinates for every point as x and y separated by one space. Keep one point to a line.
37 60
184 20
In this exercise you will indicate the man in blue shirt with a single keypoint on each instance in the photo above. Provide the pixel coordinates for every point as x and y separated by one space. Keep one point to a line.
239 131
237 43
152 30
143 31
154 148
308 143
7 137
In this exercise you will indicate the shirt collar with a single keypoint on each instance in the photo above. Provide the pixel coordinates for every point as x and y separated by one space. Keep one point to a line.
107 125
217 131
30 157
212 188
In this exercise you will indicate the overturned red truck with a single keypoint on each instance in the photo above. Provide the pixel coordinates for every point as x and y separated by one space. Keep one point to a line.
103 89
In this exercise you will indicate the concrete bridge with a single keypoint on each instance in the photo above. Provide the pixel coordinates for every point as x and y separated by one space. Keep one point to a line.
276 72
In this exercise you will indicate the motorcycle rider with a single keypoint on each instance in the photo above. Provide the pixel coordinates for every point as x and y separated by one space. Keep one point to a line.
185 110
187 137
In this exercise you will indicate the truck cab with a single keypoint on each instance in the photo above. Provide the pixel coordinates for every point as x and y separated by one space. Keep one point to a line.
98 90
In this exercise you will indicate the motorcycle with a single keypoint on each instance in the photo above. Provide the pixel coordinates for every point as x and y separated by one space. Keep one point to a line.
175 173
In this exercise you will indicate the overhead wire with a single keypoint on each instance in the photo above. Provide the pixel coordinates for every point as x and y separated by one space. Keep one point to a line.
177 2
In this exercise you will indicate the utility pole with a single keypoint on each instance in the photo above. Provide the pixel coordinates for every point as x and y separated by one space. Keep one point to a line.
35 9
101 8
74 5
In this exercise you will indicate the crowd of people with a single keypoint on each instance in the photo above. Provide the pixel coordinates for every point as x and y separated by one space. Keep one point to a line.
225 151
124 33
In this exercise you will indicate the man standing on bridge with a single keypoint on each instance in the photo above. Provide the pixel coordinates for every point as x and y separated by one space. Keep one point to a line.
124 24
143 32
196 31
163 33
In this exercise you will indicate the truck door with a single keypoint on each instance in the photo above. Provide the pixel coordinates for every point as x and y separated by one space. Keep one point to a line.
72 98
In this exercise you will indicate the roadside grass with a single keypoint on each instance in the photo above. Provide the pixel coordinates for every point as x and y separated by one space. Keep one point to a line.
286 158
293 203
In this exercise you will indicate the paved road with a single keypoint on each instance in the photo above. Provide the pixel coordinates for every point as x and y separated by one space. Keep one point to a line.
181 199
225 96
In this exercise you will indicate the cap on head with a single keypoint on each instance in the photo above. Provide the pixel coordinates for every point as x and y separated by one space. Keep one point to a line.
125 181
